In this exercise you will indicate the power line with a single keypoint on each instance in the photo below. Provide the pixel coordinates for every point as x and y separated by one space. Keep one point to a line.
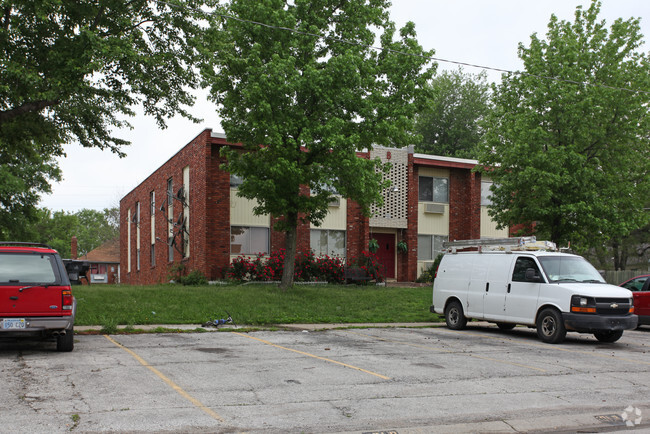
390 50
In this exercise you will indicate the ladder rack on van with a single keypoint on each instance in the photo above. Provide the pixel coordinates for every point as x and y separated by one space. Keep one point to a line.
500 244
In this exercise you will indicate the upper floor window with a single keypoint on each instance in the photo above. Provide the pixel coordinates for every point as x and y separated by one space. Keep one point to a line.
433 189
236 181
486 194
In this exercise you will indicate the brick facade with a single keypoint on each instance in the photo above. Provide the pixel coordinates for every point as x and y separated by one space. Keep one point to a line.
210 215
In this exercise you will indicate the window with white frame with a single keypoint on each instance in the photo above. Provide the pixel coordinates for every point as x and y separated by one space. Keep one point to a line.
432 189
327 242
486 194
430 246
248 240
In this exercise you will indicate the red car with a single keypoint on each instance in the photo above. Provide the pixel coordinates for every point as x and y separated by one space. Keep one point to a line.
640 287
35 295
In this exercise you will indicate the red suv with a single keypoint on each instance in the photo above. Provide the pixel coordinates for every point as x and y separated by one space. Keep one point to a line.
35 295
640 287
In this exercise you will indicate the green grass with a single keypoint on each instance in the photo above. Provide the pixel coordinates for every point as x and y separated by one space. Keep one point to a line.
111 305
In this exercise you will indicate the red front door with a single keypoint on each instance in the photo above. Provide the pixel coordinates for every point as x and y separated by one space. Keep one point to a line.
386 253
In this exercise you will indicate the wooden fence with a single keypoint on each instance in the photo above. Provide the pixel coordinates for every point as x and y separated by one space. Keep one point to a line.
618 277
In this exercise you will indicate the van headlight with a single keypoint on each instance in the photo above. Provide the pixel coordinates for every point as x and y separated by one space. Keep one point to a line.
581 304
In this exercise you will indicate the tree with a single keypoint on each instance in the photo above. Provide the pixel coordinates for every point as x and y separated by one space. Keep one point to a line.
568 145
304 101
450 123
71 72
56 229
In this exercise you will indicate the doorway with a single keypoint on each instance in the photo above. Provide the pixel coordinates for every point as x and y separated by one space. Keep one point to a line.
386 253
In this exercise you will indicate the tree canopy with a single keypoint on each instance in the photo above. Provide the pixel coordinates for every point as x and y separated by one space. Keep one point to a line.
73 71
450 124
56 228
568 145
303 92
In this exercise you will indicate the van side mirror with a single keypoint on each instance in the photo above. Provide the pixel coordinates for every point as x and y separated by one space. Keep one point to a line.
532 276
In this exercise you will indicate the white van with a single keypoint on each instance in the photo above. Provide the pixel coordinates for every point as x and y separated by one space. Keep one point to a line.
529 283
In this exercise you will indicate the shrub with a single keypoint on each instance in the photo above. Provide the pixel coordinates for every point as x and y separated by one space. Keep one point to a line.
194 277
308 268
370 264
429 274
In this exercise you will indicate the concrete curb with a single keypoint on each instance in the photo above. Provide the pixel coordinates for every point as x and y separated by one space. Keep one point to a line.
287 327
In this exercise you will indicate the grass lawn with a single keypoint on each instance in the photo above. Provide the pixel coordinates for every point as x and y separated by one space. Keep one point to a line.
250 304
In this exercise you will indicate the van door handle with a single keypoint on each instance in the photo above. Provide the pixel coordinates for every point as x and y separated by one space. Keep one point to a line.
509 287
487 286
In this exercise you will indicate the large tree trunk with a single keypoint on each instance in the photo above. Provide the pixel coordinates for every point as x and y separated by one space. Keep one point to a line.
290 254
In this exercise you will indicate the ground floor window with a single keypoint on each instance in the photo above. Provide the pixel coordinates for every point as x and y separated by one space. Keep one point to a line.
430 246
248 240
327 242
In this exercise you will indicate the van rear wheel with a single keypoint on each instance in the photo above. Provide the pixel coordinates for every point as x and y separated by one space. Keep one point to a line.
454 316
550 326
609 336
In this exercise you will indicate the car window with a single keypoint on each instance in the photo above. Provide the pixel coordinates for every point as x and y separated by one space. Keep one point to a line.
19 268
523 263
635 284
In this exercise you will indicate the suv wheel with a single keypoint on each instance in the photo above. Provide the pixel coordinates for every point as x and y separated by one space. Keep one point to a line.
550 326
65 342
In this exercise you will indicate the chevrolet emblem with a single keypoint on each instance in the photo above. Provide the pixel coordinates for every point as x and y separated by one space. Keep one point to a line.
613 305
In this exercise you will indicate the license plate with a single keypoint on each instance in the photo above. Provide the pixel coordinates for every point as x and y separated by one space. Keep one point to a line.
14 323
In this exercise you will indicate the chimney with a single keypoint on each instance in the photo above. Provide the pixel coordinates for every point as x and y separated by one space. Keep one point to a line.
73 247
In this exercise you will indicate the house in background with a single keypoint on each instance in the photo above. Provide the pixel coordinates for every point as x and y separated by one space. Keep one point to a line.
103 263
188 212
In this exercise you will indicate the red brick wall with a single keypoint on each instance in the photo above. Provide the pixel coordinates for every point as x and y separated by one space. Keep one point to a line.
407 262
464 204
209 222
358 230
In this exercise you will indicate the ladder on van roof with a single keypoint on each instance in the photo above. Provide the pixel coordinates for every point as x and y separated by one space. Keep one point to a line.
500 244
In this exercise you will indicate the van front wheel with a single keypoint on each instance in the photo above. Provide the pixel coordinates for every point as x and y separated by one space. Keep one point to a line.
454 316
550 326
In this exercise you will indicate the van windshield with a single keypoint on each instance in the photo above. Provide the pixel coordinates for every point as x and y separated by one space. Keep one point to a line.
569 269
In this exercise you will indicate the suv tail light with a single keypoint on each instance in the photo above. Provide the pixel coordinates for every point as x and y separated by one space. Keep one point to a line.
66 303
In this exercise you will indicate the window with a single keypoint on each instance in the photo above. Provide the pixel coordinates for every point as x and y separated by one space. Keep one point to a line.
327 242
152 203
522 264
430 246
19 268
433 189
137 236
635 284
170 220
248 240
235 181
486 194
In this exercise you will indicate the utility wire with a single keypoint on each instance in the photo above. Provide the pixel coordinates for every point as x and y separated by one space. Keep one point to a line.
403 53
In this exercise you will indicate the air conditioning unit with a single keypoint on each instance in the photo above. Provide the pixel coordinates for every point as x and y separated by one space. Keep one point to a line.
335 202
434 208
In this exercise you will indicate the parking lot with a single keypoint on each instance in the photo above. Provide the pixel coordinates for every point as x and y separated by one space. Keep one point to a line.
405 380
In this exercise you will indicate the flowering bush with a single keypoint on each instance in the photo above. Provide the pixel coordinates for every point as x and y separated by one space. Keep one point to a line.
369 263
308 268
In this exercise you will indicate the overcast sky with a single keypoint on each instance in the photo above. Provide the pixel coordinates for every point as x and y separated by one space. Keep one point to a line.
481 32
